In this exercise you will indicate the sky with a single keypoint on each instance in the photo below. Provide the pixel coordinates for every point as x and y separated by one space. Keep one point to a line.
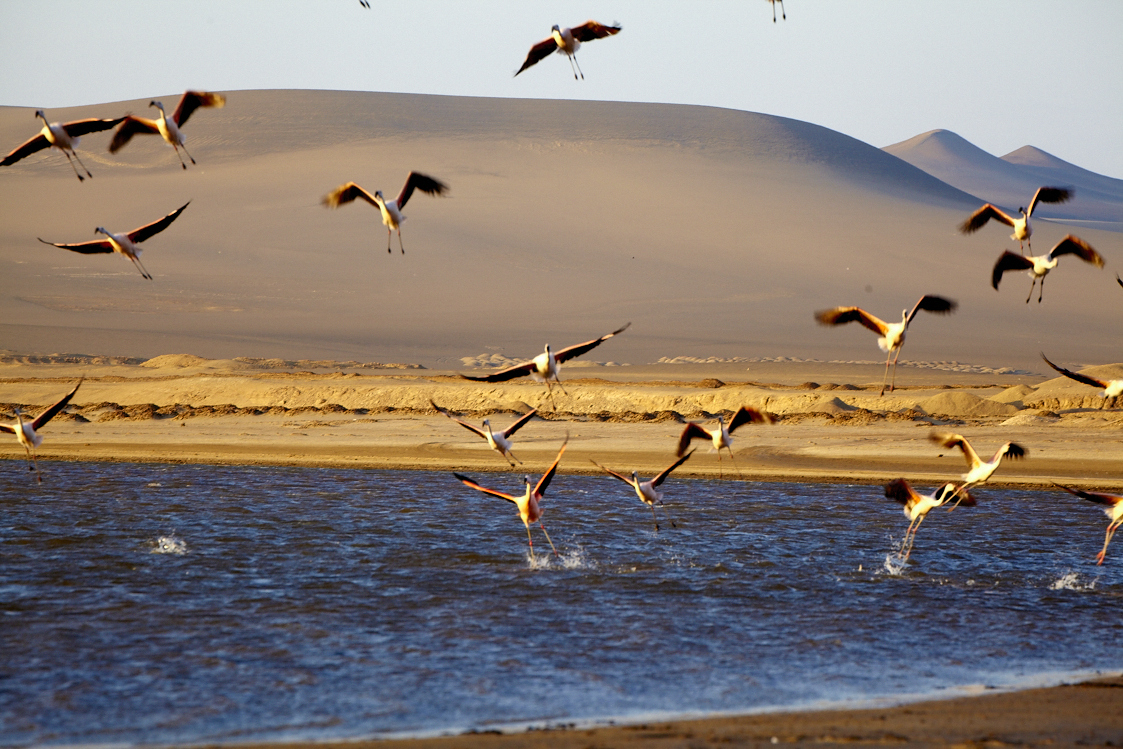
1000 73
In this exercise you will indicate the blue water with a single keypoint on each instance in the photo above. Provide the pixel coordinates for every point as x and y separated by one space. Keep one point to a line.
169 604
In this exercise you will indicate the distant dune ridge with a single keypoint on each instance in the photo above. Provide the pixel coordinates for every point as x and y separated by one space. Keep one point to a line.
1010 181
717 231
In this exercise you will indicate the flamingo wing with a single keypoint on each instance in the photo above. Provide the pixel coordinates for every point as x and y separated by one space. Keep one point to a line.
464 424
622 477
1012 450
130 127
345 194
510 373
1048 195
469 482
1109 500
690 432
591 30
538 52
746 415
91 125
1075 376
979 218
655 482
843 315
51 412
520 423
192 100
952 441
548 476
142 233
899 491
93 247
7 429
932 303
1072 245
422 182
1118 279
1008 261
583 348
38 143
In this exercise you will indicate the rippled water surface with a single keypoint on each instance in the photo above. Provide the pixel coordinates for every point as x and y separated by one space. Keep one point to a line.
161 604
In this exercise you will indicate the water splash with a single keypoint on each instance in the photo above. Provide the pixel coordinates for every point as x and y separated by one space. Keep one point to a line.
1071 581
894 564
169 545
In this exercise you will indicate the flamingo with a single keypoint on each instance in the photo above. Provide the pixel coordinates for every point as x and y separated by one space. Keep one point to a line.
1113 509
567 42
1111 388
1022 228
546 366
892 334
27 431
1040 265
126 244
773 2
63 136
978 471
391 210
500 442
530 510
648 491
167 128
721 436
917 506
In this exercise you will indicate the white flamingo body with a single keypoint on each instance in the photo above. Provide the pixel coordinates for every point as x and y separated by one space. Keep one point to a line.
61 135
916 506
1040 265
126 244
1113 508
390 210
499 441
529 503
648 491
891 336
27 432
566 41
978 470
1021 225
722 435
168 128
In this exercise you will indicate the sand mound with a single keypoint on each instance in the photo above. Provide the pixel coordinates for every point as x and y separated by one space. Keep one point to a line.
965 404
807 404
1014 396
176 361
1030 419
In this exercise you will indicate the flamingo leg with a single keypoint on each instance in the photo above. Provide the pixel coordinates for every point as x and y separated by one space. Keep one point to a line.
188 156
547 537
783 12
893 382
1041 290
654 516
668 514
510 456
885 377
403 249
1111 528
578 67
734 461
71 162
1031 289
143 271
389 236
529 540
33 460
79 160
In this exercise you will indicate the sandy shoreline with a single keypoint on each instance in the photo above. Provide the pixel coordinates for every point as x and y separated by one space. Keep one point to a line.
1088 713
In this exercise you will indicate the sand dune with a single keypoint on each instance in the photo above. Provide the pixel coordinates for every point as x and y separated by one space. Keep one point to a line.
1011 181
716 232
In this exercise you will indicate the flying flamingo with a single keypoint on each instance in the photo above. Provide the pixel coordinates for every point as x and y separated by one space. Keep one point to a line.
530 510
1040 265
27 431
60 135
721 436
917 506
500 442
546 366
648 491
391 210
126 244
1111 388
567 42
1022 228
1113 509
165 127
892 334
773 2
978 471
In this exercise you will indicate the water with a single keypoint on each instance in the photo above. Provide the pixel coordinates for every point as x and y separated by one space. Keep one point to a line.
171 604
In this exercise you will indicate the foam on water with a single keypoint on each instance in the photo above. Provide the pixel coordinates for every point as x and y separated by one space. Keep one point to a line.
169 545
1071 581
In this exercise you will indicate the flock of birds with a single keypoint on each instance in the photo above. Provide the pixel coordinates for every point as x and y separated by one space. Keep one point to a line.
545 367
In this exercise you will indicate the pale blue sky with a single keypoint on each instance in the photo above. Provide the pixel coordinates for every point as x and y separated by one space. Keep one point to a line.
1001 74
